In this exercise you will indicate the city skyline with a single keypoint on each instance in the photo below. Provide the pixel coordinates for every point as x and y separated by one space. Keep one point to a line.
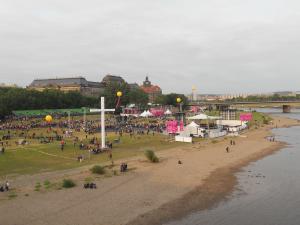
192 91
233 47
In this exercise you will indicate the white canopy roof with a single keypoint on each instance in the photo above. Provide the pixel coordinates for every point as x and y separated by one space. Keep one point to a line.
143 114
168 112
146 114
193 124
231 123
202 116
149 113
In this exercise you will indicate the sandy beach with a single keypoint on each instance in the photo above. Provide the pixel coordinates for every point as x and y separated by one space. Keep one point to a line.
149 194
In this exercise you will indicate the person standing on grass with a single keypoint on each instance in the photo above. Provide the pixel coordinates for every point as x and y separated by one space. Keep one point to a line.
62 145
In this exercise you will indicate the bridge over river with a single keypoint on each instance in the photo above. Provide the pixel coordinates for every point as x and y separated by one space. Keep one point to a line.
286 105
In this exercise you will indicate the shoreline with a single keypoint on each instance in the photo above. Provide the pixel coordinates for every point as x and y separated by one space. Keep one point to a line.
215 188
151 193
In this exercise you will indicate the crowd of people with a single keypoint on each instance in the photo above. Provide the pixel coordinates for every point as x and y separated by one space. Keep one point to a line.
81 132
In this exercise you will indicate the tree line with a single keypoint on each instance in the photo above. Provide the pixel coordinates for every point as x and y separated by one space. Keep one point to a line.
138 97
27 99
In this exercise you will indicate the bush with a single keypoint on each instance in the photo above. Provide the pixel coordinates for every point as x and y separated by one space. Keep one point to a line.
98 169
68 183
150 155
214 141
47 184
37 186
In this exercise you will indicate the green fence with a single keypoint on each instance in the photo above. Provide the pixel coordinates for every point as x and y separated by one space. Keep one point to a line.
44 112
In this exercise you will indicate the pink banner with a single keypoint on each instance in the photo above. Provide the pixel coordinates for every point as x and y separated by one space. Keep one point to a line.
181 126
157 112
246 116
174 127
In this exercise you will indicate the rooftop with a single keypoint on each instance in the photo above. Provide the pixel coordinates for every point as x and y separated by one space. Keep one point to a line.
62 81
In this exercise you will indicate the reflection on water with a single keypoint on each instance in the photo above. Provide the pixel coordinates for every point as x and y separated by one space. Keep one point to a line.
268 192
275 110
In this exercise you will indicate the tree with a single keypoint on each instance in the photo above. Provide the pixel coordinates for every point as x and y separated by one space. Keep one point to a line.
24 99
171 99
110 94
138 97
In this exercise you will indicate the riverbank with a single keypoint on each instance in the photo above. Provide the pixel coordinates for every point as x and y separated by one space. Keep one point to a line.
152 193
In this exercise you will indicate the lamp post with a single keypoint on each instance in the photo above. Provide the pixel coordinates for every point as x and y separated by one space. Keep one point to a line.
179 101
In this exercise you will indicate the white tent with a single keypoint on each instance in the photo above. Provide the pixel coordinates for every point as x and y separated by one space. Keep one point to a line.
202 116
192 128
149 113
146 114
231 123
168 112
199 117
143 114
193 124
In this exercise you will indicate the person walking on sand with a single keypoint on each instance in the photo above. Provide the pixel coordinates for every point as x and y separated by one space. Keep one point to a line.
227 149
6 186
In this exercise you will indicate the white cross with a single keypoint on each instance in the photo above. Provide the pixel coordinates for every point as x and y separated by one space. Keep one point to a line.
102 110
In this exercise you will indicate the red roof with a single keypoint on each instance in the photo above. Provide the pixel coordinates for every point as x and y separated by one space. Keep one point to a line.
151 89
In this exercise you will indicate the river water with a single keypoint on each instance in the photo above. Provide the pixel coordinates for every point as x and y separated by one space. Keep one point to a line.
268 190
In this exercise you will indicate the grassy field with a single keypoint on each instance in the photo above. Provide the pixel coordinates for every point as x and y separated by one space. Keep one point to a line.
259 119
36 157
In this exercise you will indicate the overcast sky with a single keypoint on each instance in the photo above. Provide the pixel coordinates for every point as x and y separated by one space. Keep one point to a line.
220 46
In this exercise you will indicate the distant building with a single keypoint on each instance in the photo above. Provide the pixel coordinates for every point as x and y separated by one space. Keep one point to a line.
109 79
153 91
286 93
80 84
8 85
134 86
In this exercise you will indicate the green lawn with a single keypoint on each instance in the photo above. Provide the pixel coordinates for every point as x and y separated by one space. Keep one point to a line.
38 157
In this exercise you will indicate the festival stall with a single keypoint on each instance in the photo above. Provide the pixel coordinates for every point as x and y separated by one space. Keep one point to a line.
157 112
233 126
217 131
168 112
192 128
146 114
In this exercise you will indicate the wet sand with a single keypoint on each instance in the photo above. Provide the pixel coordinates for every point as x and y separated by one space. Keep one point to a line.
153 193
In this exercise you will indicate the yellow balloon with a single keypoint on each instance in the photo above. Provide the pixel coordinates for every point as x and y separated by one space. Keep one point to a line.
119 93
178 100
48 118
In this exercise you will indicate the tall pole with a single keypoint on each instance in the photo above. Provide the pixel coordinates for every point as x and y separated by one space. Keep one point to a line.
102 123
69 121
181 112
84 118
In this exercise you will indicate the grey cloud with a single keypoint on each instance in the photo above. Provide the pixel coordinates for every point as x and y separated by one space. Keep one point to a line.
230 46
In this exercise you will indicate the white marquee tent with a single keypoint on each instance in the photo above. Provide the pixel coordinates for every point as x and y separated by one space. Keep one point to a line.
168 112
192 128
203 116
146 114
